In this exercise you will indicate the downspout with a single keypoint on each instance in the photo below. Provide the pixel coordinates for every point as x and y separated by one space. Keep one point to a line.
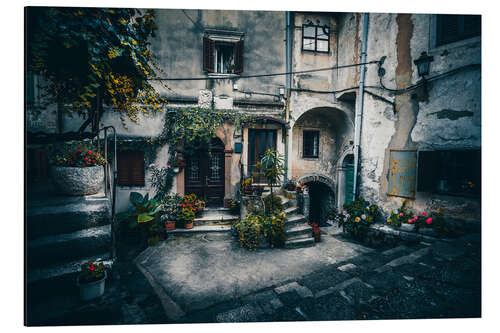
288 45
359 107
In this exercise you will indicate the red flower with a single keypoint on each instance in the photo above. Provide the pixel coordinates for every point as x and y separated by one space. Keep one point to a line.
411 221
90 152
185 201
428 221
86 159
95 154
83 164
91 267
79 150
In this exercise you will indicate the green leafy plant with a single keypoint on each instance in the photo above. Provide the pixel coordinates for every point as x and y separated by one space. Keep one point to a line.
357 216
91 272
161 180
272 167
419 219
75 154
143 209
255 224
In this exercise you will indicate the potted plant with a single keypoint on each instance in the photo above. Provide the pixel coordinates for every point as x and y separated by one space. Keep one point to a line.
246 186
170 208
91 280
187 215
356 217
316 232
77 170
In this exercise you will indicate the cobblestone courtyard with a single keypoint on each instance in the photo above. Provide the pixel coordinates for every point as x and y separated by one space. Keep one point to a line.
210 279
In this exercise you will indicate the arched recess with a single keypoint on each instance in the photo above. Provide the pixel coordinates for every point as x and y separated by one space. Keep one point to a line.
321 196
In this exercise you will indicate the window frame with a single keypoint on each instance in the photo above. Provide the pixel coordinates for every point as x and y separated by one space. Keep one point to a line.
213 37
315 38
451 167
317 134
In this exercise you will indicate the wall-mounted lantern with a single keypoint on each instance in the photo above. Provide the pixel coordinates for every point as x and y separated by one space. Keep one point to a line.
423 64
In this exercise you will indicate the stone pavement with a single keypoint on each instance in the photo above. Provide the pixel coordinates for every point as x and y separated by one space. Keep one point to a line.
209 278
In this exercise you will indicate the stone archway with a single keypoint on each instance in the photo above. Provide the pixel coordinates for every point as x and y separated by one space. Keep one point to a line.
321 196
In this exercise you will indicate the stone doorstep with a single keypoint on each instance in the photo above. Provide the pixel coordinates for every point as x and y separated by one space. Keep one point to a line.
300 242
201 229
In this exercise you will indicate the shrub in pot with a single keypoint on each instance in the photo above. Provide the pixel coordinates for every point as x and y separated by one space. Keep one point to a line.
91 280
356 217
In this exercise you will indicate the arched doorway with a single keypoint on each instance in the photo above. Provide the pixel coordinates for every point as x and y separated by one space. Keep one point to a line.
321 202
205 173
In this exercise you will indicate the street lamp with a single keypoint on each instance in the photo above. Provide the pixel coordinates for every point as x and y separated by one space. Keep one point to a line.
423 64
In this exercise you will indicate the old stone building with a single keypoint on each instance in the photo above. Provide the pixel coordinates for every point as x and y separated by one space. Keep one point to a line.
415 137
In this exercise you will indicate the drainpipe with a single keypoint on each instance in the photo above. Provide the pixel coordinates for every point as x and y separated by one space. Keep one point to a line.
288 45
359 107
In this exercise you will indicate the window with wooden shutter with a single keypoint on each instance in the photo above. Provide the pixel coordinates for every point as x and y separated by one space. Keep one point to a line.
208 55
453 28
131 168
238 57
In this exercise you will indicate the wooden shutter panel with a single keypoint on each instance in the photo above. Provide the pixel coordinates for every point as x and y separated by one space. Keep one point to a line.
131 168
238 57
208 54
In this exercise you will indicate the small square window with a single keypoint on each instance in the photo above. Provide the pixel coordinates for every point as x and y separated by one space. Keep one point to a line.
310 144
223 57
315 38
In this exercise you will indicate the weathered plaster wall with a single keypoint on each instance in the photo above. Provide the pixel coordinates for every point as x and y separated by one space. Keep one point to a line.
448 119
179 49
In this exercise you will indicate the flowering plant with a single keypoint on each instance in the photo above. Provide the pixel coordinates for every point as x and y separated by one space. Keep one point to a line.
316 231
91 271
82 155
419 219
301 188
403 214
357 216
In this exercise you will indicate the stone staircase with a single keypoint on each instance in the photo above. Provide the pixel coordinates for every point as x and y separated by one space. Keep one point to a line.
64 232
211 220
298 231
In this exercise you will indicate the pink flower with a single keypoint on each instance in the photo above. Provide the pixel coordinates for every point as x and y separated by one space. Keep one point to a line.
424 214
410 221
400 214
428 221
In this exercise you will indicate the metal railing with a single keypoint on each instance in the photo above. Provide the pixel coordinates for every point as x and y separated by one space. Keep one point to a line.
110 181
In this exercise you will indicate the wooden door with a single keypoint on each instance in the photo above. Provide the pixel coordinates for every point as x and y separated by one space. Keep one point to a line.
205 175
259 141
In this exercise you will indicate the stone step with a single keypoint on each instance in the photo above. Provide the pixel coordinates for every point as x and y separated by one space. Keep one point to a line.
287 203
291 211
50 250
297 243
200 230
65 268
300 231
294 220
214 217
75 214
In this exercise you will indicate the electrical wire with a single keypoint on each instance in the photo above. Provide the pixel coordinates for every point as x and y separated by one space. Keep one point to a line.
262 75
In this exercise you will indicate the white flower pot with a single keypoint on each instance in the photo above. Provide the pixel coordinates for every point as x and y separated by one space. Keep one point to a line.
92 290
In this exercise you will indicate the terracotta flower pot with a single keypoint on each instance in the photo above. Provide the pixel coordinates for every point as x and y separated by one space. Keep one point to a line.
188 224
169 225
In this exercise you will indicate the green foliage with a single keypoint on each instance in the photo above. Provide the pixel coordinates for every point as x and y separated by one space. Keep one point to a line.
143 209
403 214
271 166
171 206
94 56
193 128
90 272
357 216
255 224
272 204
161 181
